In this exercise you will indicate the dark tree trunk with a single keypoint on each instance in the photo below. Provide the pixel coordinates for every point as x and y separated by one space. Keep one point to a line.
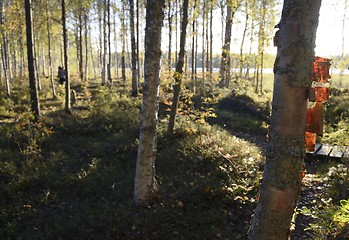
179 68
105 43
242 60
4 52
81 58
203 52
48 26
65 50
86 20
109 45
193 57
123 36
133 49
138 43
225 59
286 148
211 42
169 16
21 49
34 95
145 183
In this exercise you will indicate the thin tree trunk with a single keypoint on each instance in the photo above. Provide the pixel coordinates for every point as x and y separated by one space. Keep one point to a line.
5 64
48 27
44 73
211 42
145 183
261 37
105 43
81 58
65 49
34 95
207 8
247 75
86 20
100 39
21 49
242 60
36 65
123 52
225 59
286 148
203 52
109 45
169 16
138 43
176 21
179 68
4 51
133 49
221 4
93 63
193 58
116 57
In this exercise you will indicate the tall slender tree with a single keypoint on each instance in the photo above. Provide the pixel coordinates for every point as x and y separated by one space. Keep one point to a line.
123 39
48 27
86 23
286 148
66 62
109 44
145 183
232 7
133 49
105 43
194 47
179 68
4 50
169 18
34 95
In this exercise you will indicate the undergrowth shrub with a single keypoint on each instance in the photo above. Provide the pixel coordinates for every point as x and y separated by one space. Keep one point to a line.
332 221
29 135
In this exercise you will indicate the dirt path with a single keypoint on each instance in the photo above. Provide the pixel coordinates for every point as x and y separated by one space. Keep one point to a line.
313 195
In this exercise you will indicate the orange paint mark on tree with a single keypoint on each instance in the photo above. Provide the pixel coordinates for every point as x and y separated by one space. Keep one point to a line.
321 84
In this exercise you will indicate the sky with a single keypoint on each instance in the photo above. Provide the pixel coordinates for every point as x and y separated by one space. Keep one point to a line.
329 33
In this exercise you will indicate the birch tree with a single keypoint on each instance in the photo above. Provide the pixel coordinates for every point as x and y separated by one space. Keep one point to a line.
4 50
286 148
145 183
232 7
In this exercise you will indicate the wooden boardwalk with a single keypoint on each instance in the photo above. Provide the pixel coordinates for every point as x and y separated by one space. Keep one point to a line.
331 151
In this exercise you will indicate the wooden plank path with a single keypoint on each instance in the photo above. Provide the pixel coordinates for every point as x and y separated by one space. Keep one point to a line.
331 151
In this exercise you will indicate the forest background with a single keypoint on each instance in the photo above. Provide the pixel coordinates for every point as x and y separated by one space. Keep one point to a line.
52 185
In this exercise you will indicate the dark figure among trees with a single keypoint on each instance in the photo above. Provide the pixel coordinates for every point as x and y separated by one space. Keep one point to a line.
61 75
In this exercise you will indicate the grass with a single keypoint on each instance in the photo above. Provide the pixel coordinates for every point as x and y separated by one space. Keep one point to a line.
71 177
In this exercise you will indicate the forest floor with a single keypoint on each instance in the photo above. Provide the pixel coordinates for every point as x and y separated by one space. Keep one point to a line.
71 176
